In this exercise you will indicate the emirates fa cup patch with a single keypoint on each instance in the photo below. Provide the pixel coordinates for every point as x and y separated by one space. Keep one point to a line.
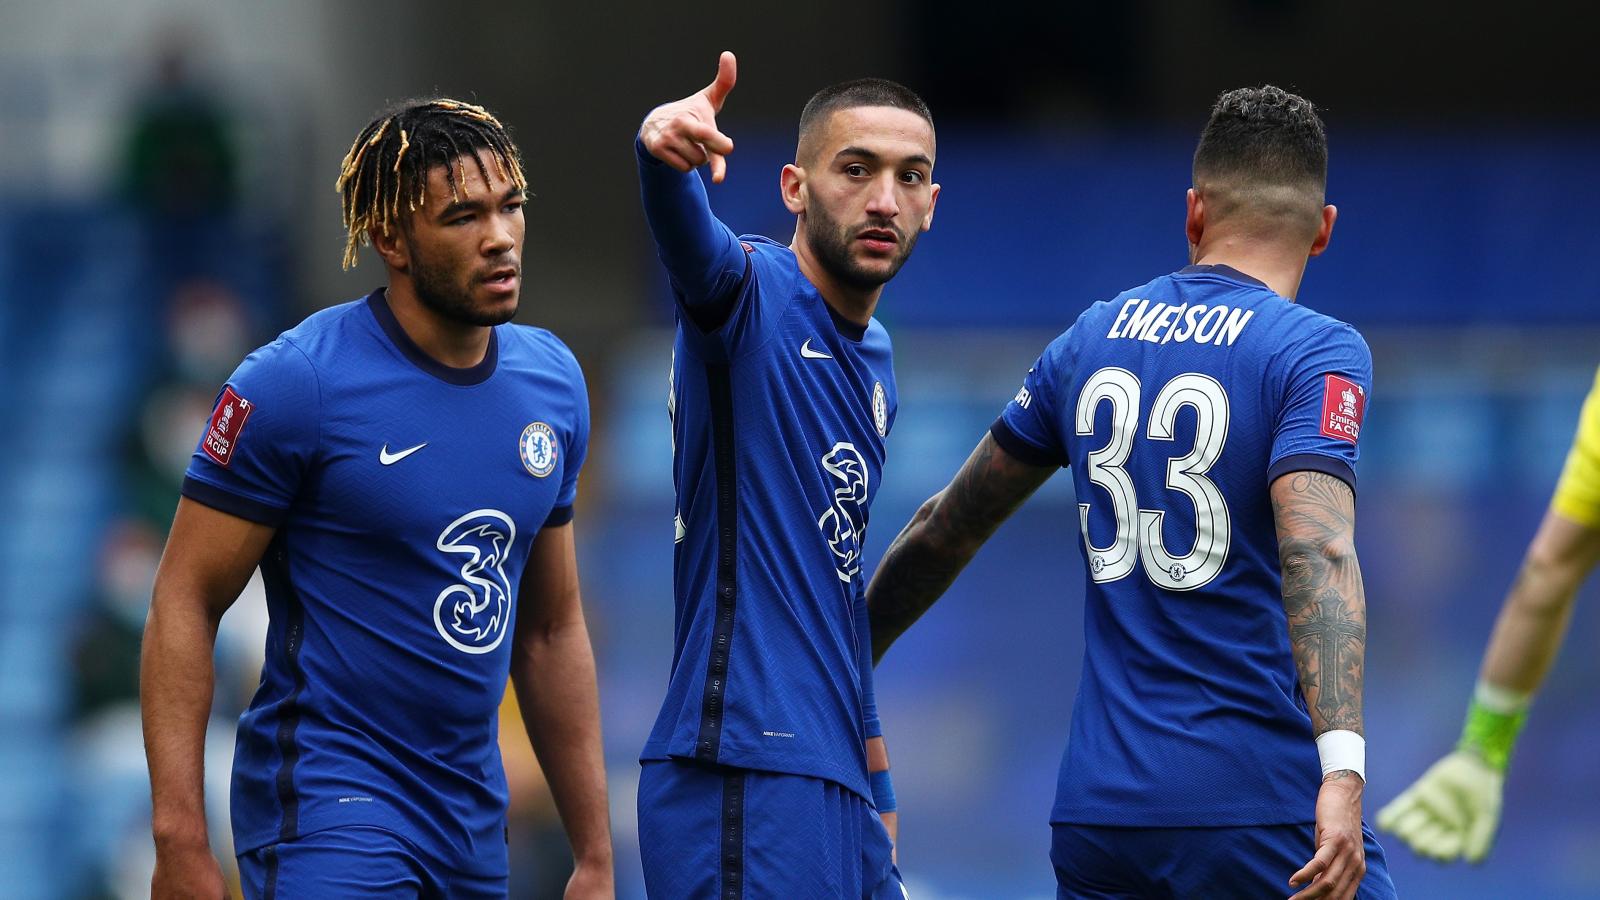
227 423
1344 404
538 448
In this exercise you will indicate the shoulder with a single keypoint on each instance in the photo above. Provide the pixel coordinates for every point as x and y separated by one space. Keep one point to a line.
528 348
539 344
771 259
1309 331
877 336
323 337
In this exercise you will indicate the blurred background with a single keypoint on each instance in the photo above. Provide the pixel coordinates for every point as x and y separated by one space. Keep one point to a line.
167 204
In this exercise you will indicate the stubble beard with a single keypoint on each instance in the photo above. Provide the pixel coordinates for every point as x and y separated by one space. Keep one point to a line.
832 242
451 301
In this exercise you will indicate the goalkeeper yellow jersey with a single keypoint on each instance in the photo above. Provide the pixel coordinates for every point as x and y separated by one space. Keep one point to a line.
1578 492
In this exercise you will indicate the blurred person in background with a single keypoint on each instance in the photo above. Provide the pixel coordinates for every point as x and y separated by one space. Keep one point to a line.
403 469
782 394
180 165
1452 811
179 160
1216 736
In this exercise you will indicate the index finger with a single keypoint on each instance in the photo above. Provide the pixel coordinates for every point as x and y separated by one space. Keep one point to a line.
727 72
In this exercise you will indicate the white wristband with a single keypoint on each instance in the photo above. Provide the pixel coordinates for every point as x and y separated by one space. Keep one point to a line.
1341 749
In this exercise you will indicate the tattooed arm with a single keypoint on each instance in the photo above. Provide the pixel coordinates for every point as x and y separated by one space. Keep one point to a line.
1322 594
944 535
1327 611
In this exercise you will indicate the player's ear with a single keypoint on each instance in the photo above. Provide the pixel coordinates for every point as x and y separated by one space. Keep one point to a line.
1194 221
791 184
933 200
1325 230
392 247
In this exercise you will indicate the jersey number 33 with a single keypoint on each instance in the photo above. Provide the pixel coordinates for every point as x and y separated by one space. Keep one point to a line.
1138 536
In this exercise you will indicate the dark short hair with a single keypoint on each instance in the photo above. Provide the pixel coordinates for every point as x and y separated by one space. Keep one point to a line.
860 92
387 166
1263 136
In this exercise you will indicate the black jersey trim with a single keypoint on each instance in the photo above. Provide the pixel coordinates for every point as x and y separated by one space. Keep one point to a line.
269 890
851 331
1018 446
378 302
227 501
731 842
561 515
1313 462
275 573
709 743
1225 271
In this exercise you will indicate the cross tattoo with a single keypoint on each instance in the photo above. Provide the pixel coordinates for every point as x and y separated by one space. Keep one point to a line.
1330 630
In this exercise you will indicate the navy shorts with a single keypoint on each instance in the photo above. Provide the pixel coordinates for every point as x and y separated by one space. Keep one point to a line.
356 861
737 834
1247 862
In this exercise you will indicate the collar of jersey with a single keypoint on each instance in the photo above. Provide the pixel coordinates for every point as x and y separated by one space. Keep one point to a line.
846 328
1228 272
450 374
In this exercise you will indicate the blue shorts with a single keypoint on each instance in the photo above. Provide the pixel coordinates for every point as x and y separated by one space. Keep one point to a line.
718 832
1100 863
356 861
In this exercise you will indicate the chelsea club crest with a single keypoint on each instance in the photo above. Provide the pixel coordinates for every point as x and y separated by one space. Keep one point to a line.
538 448
880 409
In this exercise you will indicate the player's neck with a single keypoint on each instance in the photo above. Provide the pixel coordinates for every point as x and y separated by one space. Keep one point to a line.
1279 268
459 345
853 304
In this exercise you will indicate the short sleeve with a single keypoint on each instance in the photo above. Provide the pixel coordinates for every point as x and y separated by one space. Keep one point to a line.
1577 494
575 445
1327 379
1028 426
261 437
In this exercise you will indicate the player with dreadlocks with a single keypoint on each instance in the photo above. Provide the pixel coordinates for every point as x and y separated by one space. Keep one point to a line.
402 468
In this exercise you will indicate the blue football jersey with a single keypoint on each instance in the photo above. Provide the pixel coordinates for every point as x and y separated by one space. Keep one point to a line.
406 496
1176 405
778 422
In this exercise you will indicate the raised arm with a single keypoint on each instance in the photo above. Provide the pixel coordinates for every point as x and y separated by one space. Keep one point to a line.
944 535
552 668
209 557
1326 607
701 254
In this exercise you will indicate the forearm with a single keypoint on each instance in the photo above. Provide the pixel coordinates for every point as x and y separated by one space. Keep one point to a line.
1533 622
1327 614
176 676
554 675
702 255
919 566
1323 596
943 537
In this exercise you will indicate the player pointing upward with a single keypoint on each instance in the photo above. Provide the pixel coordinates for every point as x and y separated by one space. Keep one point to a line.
756 776
1211 425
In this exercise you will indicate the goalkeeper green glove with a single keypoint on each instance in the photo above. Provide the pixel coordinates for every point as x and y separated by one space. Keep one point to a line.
1454 808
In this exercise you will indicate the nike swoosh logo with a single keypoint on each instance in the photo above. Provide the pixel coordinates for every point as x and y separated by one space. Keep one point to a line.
808 353
389 459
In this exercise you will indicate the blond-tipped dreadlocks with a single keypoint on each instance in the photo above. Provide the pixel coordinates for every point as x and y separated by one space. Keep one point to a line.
390 159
